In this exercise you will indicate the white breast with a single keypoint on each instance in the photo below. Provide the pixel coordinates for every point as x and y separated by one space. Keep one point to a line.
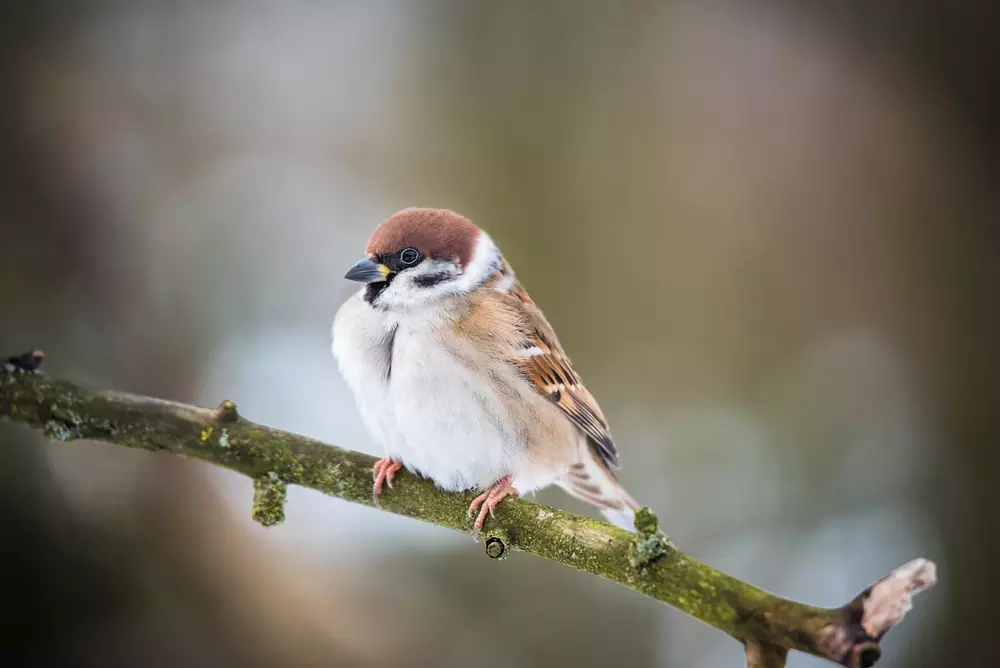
362 339
423 395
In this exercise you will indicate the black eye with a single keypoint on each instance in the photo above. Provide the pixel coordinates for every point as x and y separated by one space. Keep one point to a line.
409 256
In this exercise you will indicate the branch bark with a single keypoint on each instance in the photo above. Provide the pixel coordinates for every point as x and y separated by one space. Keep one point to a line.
645 561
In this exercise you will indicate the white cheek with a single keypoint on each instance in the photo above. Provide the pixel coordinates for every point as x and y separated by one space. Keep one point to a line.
404 292
485 261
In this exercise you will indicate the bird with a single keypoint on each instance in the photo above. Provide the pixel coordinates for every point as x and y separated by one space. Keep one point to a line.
460 378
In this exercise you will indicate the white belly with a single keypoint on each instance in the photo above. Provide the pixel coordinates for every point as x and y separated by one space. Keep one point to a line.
453 426
424 402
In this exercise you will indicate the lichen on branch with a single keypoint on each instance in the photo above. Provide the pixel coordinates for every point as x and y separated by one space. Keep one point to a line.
644 561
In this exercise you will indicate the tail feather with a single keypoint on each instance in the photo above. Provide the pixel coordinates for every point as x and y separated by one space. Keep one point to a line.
591 480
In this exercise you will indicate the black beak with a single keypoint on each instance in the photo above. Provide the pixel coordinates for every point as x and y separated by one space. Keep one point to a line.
367 271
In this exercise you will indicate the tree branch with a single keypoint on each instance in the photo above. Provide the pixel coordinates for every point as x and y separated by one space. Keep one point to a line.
644 561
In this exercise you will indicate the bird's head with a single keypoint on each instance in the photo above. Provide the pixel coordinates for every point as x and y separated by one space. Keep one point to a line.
419 256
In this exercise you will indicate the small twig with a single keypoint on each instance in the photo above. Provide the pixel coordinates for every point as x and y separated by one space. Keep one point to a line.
854 641
765 655
645 561
269 495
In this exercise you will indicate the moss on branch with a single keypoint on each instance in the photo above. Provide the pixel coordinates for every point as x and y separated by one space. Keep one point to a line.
644 561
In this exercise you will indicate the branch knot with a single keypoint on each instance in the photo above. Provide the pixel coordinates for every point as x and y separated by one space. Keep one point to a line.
649 543
28 361
226 412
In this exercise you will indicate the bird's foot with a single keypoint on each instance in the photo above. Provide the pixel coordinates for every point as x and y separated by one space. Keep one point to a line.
488 500
384 471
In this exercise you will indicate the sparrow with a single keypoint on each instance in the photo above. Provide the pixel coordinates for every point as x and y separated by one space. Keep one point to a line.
459 376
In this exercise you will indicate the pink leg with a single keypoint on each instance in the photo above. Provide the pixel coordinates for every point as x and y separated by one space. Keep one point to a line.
384 471
488 500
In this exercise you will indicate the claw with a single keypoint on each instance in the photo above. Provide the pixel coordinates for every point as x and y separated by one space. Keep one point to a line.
487 501
384 471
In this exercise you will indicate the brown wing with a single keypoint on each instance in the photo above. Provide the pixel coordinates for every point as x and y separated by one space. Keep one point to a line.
547 366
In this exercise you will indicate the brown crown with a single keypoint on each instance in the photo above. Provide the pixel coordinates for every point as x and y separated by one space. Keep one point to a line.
437 233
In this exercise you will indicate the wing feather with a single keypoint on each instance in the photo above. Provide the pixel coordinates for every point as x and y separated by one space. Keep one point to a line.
504 319
545 364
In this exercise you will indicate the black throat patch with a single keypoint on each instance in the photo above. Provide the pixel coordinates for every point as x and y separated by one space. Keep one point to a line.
373 290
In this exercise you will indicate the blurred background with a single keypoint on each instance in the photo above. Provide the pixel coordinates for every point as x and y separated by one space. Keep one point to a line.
767 235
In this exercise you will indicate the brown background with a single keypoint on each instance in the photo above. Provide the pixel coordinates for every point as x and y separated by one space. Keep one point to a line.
767 235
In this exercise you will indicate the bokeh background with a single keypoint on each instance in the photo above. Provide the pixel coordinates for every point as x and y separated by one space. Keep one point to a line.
766 232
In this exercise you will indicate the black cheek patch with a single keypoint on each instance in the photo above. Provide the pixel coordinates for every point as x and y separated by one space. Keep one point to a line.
430 280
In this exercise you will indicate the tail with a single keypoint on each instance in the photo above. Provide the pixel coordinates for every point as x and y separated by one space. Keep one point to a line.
593 481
